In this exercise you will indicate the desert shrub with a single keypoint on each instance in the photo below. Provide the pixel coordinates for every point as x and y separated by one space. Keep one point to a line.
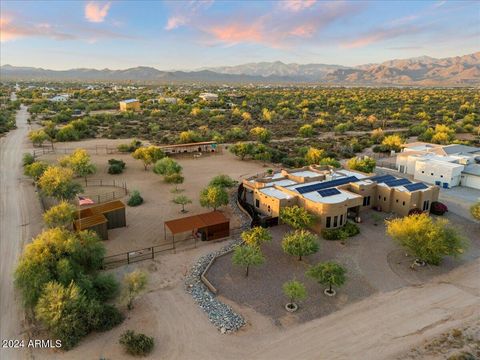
116 166
351 229
103 317
223 181
334 234
135 199
129 148
438 208
105 287
136 344
27 159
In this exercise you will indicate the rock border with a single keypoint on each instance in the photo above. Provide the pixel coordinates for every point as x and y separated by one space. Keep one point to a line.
220 315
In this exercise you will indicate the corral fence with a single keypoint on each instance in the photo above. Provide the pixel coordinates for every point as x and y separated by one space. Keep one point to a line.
133 256
108 195
97 150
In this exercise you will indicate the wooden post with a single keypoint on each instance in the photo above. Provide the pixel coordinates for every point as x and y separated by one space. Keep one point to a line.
153 253
128 258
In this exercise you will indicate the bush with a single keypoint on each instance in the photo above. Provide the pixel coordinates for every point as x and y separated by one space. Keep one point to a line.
438 208
27 159
116 166
334 234
223 181
104 317
351 229
135 199
105 287
136 344
129 148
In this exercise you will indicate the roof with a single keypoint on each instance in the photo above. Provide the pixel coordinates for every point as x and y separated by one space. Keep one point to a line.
196 222
273 192
128 101
189 144
305 173
106 207
472 169
456 149
90 221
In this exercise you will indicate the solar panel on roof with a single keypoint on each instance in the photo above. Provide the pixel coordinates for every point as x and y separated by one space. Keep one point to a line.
382 178
397 182
416 186
326 184
328 192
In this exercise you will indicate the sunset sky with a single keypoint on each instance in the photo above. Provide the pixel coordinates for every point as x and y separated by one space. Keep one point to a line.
193 34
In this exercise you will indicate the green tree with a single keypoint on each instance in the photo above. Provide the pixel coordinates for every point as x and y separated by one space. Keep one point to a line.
63 310
182 200
247 256
365 164
135 282
60 215
167 166
175 178
392 142
328 274
37 137
294 290
35 170
242 150
297 217
256 236
79 161
300 243
475 211
58 182
223 181
148 154
314 156
426 239
306 131
213 197
261 134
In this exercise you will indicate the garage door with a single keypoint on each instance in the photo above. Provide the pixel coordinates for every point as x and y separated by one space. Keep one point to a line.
471 181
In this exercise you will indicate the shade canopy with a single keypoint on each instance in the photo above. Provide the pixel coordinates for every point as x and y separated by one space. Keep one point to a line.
200 221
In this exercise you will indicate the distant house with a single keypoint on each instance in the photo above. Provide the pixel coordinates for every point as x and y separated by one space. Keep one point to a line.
209 97
168 100
60 98
443 165
130 105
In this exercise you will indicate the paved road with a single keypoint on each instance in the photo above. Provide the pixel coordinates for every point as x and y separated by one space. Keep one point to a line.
13 229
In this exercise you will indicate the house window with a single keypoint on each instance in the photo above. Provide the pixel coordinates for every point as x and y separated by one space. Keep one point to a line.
341 219
396 200
431 174
403 203
335 219
269 208
441 176
366 201
329 220
384 198
257 203
423 172
379 197
426 205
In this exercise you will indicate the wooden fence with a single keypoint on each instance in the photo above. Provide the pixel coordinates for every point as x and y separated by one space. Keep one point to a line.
98 149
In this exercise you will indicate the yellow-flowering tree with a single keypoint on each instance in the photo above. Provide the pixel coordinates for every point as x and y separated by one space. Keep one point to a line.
392 142
135 283
60 215
148 154
213 197
426 239
475 211
37 137
261 134
365 164
79 161
314 155
58 182
256 236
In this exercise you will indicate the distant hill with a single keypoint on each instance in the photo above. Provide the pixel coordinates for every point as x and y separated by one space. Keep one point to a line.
421 71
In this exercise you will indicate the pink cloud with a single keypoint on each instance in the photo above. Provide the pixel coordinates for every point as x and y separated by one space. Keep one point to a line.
306 30
297 5
379 35
96 12
10 30
175 21
237 33
186 11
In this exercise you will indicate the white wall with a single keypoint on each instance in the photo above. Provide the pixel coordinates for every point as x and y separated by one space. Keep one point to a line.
441 172
472 181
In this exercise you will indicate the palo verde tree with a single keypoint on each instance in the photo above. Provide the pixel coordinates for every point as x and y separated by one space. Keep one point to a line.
242 150
364 164
182 200
426 239
61 215
247 256
261 134
256 236
223 181
294 290
300 243
58 183
213 197
148 154
35 170
328 274
79 161
314 156
167 166
135 282
392 142
297 217
37 137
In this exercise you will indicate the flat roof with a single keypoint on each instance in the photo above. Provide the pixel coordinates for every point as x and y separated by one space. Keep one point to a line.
333 199
276 193
188 144
199 221
107 207
90 221
305 173
281 182
129 101
442 163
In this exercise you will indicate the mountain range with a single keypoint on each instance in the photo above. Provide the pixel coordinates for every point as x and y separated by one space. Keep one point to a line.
420 71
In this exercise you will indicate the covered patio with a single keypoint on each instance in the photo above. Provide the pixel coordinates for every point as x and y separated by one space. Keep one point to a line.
207 226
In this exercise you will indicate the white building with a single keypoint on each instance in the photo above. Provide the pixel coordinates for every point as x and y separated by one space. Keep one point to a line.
60 98
443 165
208 97
168 100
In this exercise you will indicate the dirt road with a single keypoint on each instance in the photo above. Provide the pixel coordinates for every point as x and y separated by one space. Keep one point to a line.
14 228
